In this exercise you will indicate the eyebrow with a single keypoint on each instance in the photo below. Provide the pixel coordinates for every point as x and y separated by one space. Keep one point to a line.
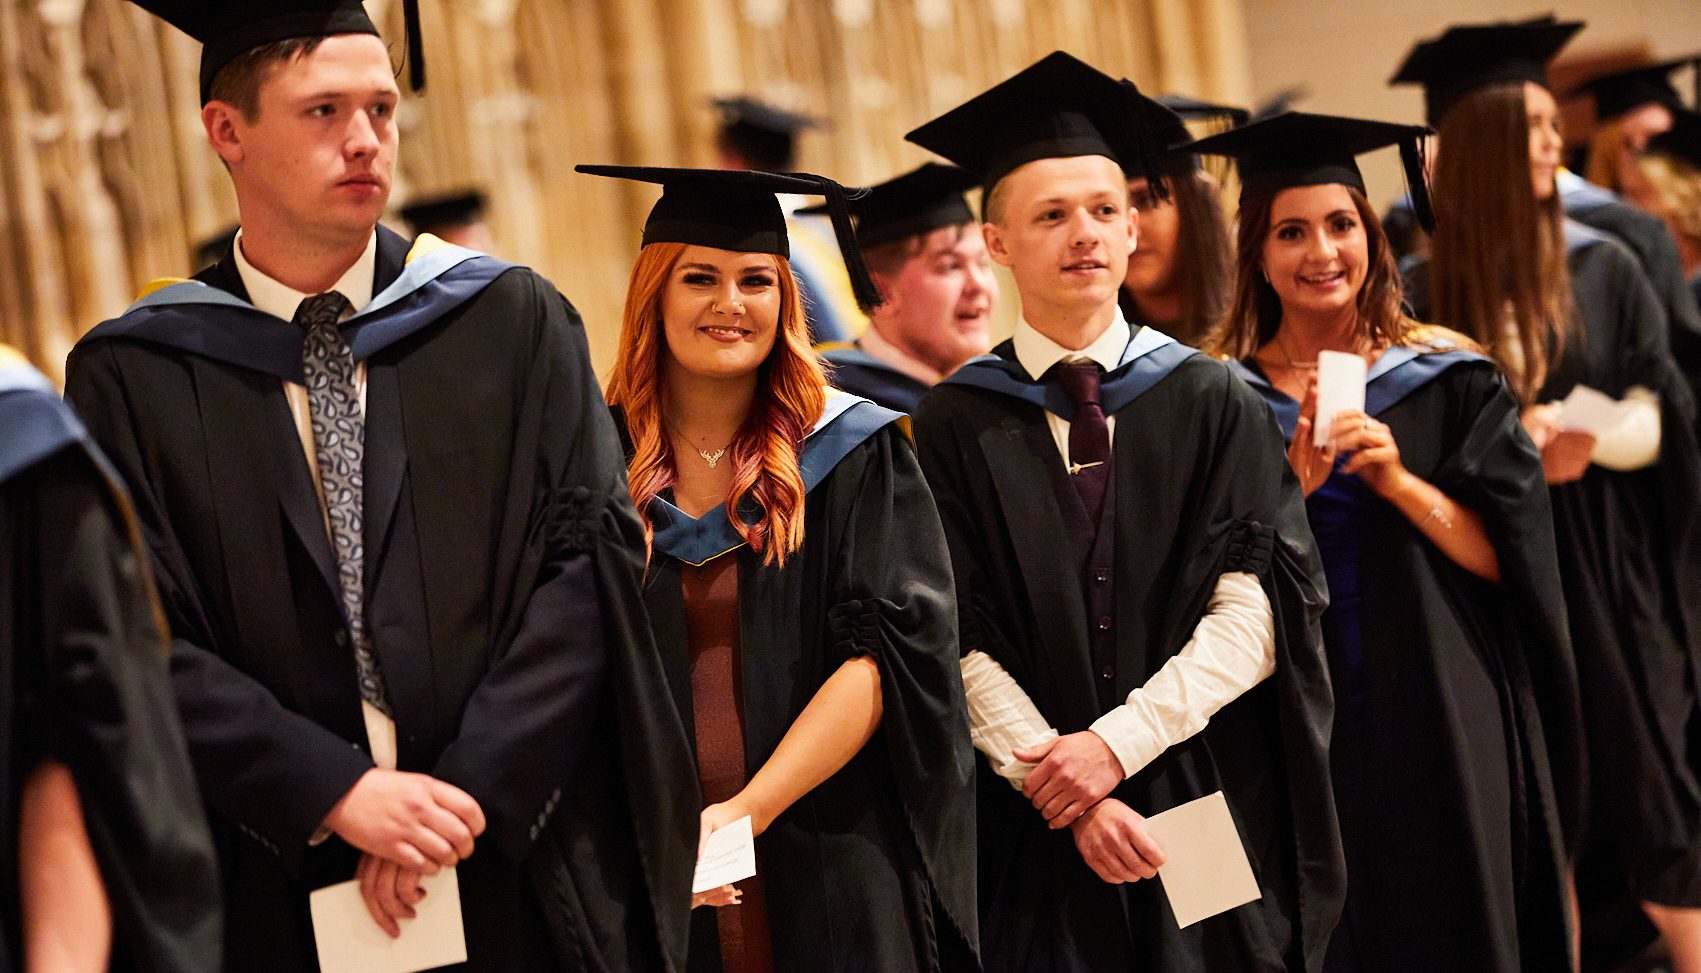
1343 211
333 95
711 268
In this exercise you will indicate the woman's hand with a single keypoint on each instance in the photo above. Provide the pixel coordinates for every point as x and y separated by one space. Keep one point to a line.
1565 452
1310 463
718 816
1375 455
1541 422
725 895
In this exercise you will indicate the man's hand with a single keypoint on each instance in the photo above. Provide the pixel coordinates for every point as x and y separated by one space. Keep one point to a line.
1074 773
413 820
1115 844
390 891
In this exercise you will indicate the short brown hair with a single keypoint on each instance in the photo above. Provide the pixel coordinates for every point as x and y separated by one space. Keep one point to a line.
888 259
238 83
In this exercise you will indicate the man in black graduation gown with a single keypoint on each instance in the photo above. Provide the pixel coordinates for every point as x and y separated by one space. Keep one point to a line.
84 688
389 521
924 249
1133 569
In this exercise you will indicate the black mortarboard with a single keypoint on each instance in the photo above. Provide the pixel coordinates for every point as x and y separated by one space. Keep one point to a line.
1622 92
459 208
1059 107
1194 110
1682 140
919 201
211 249
227 28
1302 149
1471 57
737 210
764 133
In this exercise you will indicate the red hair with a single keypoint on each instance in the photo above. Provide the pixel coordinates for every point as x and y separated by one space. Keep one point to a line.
790 394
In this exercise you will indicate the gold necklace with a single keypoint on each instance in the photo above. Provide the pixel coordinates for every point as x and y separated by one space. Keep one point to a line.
713 459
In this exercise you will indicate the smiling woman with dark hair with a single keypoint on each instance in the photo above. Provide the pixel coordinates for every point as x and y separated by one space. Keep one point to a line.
1455 695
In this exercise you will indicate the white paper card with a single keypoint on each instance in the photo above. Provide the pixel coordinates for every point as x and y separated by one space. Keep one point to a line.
1340 388
730 856
1205 870
350 941
1586 410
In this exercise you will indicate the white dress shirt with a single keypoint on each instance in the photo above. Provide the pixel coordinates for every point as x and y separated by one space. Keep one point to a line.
1233 648
281 301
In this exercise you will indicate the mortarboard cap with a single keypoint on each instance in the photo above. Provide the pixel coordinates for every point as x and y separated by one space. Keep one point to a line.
919 201
227 29
1194 110
1059 107
1302 149
1470 57
1682 140
1622 92
764 133
459 208
737 210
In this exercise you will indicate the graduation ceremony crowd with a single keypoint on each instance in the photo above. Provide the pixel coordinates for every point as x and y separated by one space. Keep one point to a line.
338 561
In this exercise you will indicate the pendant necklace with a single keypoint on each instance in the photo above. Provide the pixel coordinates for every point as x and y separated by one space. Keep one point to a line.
711 458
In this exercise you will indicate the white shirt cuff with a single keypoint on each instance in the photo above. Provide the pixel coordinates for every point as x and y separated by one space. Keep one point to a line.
1635 442
1002 719
1232 649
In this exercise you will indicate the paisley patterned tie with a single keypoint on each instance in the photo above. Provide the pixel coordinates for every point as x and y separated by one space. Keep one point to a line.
339 436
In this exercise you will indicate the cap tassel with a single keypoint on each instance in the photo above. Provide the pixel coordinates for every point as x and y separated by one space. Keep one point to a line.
838 209
416 45
1414 158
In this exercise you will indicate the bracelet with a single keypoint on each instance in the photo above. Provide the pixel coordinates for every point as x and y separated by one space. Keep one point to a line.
1436 514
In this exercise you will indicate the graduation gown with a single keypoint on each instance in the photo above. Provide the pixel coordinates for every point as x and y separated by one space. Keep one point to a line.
1656 252
1627 555
1199 487
502 567
859 373
83 681
874 868
1446 687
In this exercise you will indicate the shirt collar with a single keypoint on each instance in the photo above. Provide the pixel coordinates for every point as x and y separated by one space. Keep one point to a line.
1037 353
874 344
280 300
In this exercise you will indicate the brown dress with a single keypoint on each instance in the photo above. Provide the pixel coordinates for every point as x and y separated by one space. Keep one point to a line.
711 617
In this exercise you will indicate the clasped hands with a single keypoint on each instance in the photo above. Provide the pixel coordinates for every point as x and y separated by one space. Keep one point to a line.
1069 788
408 825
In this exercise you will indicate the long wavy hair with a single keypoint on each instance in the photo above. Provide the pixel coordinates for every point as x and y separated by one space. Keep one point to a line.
1497 249
790 393
1255 311
1202 260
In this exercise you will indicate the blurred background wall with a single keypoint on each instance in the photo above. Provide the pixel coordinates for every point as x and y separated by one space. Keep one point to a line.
106 181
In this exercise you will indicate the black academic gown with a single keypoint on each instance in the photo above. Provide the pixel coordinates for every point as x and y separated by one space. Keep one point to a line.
1446 687
859 373
1200 487
1627 555
83 681
502 568
1649 239
874 868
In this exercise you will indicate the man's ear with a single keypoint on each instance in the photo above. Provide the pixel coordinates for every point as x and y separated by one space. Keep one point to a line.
995 248
224 125
890 301
1133 229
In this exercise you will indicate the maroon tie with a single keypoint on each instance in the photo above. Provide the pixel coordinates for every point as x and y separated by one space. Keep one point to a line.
1089 435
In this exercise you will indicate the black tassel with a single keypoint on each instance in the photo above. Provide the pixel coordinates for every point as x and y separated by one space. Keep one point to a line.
838 208
416 45
1414 158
